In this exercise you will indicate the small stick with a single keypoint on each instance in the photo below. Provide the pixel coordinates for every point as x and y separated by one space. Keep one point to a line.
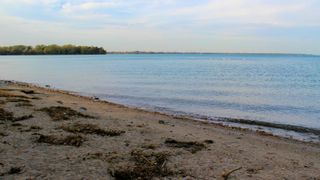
227 174
164 163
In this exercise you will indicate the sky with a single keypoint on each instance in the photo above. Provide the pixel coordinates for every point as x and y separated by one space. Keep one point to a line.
256 26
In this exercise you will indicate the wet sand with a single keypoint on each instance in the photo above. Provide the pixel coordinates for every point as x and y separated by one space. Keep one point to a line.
49 134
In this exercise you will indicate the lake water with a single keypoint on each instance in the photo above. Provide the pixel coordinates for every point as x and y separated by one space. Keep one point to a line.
272 88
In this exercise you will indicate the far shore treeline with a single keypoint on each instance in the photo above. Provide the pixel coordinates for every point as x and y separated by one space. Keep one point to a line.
50 50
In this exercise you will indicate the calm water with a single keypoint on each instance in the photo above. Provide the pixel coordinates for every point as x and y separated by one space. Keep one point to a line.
275 88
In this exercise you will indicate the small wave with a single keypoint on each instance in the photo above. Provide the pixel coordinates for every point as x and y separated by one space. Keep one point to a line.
219 104
288 127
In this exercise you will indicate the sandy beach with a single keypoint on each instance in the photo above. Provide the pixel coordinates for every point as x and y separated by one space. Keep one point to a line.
51 134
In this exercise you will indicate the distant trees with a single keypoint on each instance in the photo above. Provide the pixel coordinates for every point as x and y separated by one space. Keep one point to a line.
50 50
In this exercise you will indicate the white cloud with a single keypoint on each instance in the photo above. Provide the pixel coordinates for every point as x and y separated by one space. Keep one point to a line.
242 11
202 12
207 25
78 7
31 2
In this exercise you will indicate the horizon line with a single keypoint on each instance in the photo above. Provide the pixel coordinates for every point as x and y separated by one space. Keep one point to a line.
199 52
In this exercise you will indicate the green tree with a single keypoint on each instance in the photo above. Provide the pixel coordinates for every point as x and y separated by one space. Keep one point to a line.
50 49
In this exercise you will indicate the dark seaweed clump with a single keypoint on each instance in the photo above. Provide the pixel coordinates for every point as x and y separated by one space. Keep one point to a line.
13 170
58 113
18 100
32 128
143 166
5 115
71 140
28 91
8 116
91 129
24 104
191 146
22 118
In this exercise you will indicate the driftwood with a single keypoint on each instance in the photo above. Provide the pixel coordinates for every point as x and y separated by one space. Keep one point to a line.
226 175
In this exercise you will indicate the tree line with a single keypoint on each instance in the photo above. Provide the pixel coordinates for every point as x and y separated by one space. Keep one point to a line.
50 50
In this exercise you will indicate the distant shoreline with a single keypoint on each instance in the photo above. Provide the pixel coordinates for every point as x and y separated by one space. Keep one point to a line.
229 53
68 49
172 53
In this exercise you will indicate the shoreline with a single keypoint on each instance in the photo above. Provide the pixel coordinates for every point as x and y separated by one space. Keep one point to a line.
35 121
174 53
294 132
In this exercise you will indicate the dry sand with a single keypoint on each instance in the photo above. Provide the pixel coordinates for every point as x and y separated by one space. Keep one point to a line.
47 134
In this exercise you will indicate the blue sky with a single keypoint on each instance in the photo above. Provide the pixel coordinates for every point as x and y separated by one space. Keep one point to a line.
286 26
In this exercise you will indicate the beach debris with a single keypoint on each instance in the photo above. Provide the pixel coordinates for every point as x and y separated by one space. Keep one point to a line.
141 125
16 124
208 141
142 165
103 156
13 170
162 122
32 128
71 140
191 146
5 115
35 127
149 146
309 165
254 170
22 118
2 134
18 100
36 98
24 104
58 113
83 108
8 116
226 174
97 155
126 143
26 91
90 129
4 93
60 102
